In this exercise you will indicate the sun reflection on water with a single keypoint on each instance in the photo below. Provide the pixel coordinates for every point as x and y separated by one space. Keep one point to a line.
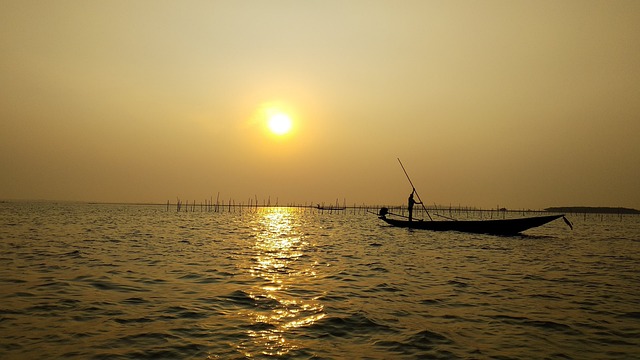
282 266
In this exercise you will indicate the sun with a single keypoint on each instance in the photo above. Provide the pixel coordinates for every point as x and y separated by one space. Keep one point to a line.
280 123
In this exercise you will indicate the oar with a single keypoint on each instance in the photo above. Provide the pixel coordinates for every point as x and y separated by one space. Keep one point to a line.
566 221
414 189
446 217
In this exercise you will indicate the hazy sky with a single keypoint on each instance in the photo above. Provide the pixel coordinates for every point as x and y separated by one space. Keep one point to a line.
522 104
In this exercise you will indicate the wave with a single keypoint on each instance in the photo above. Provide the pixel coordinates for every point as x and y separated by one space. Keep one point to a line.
346 326
425 343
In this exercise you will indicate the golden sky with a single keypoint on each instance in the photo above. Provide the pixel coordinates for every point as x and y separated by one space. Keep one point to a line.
521 104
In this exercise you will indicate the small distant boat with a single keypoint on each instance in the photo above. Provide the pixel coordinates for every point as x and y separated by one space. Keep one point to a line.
330 207
335 207
493 227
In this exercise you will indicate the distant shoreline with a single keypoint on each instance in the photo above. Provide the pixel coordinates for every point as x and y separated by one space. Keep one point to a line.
593 210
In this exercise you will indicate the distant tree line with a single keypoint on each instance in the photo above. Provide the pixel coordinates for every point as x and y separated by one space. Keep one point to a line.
593 210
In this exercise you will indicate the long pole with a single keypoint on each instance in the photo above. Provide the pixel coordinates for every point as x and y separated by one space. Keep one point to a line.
414 189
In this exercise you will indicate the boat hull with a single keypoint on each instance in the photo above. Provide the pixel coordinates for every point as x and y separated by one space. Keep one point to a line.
495 227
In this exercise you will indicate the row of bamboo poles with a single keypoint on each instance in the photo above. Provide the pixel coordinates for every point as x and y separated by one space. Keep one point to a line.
252 204
208 205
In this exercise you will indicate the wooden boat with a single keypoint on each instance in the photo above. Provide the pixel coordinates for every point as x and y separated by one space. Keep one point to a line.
494 227
330 208
335 207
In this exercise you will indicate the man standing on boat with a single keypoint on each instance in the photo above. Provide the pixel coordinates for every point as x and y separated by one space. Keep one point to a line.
411 203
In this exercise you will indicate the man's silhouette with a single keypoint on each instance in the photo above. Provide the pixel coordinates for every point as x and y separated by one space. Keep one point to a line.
411 203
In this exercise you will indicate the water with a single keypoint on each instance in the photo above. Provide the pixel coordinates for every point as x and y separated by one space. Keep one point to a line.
115 281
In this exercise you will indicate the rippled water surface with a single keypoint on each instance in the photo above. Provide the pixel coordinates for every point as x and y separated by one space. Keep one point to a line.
121 281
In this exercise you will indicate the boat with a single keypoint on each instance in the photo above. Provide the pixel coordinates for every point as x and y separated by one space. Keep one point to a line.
330 207
335 207
493 227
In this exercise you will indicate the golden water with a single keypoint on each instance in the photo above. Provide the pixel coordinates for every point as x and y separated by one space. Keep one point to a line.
116 281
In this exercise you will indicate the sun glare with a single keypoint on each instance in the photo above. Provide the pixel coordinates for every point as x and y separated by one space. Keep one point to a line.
280 123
